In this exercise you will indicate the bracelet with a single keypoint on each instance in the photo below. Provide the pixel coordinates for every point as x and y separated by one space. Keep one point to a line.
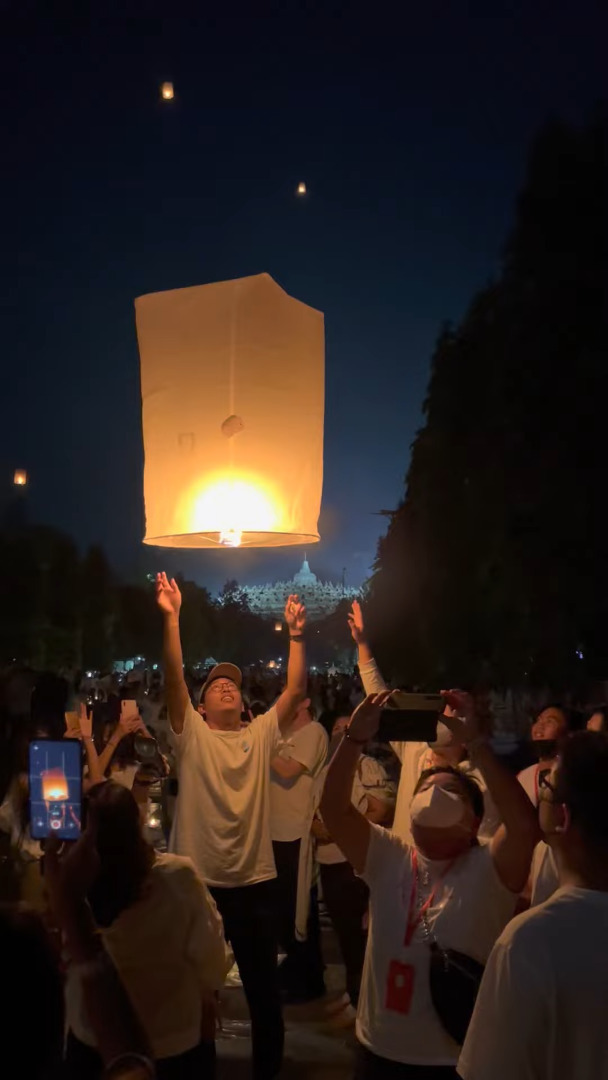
357 742
130 1058
296 637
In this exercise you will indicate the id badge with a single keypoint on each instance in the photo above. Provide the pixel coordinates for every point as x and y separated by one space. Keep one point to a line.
399 987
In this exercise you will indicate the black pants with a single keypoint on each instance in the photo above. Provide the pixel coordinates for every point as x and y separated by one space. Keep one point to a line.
346 899
249 914
369 1066
83 1063
302 970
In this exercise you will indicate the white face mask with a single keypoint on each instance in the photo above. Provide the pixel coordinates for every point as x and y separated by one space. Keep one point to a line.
443 738
436 808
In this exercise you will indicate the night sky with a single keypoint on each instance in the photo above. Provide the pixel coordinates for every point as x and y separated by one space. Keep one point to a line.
411 137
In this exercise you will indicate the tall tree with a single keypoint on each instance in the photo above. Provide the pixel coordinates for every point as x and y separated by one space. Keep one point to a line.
495 565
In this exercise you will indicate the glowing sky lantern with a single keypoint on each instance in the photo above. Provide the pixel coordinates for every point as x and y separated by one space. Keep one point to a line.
166 91
301 188
232 378
20 478
54 785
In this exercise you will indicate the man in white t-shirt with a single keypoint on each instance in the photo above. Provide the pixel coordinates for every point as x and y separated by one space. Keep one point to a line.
552 724
415 757
222 810
294 772
541 1009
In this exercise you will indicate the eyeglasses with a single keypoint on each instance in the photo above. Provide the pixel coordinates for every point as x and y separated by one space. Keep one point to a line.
223 688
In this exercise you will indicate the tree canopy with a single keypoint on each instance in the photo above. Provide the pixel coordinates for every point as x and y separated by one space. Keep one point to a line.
495 565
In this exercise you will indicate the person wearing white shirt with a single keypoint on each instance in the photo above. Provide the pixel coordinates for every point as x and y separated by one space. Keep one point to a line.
293 776
223 807
345 895
415 757
444 892
541 1009
552 724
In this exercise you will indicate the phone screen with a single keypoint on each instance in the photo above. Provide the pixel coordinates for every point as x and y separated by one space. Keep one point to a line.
128 709
55 778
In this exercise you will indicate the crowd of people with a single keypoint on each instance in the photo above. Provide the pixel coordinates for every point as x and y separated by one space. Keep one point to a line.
469 902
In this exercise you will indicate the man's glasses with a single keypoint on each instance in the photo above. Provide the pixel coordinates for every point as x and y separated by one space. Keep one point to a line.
223 688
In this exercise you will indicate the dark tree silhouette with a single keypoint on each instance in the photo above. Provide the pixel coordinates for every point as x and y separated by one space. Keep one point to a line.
495 566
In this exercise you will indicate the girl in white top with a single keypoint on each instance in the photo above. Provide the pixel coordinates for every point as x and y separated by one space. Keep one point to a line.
445 885
165 937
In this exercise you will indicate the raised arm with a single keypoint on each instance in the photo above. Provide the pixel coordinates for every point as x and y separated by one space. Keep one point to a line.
86 731
372 680
295 690
169 600
349 829
512 846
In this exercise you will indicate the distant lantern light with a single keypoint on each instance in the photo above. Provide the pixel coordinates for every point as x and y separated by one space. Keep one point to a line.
278 627
301 189
166 91
232 380
20 478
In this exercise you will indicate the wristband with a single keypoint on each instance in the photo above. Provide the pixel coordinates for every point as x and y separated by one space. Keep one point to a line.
296 637
357 742
130 1058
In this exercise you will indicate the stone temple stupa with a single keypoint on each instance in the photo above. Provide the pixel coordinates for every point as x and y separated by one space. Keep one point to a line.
321 597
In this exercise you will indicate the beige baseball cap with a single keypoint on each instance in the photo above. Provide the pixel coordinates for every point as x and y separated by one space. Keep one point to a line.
222 671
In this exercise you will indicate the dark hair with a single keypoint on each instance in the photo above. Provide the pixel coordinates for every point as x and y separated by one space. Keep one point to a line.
570 716
258 708
125 857
29 962
469 786
594 710
582 784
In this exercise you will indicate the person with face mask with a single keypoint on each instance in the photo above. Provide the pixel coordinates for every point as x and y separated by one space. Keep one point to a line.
436 903
551 725
415 757
541 1009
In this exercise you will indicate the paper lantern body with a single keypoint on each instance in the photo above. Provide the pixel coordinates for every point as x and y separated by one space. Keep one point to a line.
20 478
167 92
232 378
301 190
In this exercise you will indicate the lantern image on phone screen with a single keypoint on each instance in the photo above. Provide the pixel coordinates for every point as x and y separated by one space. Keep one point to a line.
55 793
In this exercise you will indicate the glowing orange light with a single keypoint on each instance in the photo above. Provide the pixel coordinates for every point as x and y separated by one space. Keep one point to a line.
54 785
301 189
166 91
230 507
20 478
278 627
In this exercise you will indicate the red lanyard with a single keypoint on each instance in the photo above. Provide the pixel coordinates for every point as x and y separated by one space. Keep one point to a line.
413 921
536 781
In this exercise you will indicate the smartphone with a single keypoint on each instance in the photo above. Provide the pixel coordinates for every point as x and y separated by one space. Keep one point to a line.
55 779
128 709
410 717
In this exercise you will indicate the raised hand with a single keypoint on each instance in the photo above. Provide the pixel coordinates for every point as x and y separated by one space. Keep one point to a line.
295 615
462 716
85 721
356 624
366 717
168 596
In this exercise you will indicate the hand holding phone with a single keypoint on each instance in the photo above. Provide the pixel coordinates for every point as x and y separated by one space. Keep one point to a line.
410 717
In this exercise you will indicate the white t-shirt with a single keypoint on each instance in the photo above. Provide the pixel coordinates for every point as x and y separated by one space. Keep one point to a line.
470 909
222 810
541 1009
415 757
528 779
291 800
372 779
169 950
544 876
